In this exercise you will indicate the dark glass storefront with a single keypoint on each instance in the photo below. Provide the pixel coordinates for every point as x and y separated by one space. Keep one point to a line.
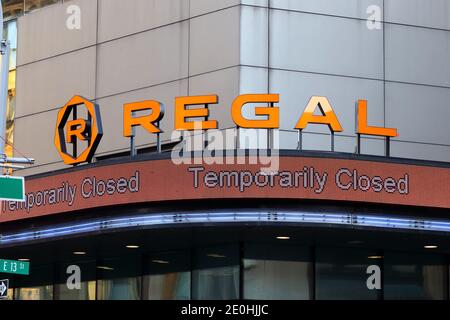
213 260
247 270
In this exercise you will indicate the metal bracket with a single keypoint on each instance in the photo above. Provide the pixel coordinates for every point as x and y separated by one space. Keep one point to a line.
3 46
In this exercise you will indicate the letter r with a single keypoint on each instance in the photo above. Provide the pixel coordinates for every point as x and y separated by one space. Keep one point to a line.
76 129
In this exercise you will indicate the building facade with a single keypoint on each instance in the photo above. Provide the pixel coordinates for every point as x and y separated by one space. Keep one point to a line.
144 227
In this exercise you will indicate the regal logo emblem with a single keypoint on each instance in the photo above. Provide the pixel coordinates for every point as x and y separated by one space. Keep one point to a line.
86 133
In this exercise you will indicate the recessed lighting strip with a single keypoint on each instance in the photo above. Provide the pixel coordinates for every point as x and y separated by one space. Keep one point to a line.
216 217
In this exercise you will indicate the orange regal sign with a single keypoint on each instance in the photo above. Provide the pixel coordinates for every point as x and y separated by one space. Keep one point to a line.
90 129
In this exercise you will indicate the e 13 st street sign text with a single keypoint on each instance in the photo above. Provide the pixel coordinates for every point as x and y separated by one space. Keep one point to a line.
13 266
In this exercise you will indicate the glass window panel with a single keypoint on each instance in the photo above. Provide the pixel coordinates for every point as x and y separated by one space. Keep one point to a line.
38 285
10 115
341 273
10 294
35 293
119 279
86 291
216 273
12 8
168 277
36 4
277 272
414 276
65 290
10 33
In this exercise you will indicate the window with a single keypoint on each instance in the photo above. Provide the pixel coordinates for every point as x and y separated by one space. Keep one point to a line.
12 8
36 4
167 276
341 273
119 279
415 276
277 272
216 273
36 286
35 293
10 33
67 276
15 8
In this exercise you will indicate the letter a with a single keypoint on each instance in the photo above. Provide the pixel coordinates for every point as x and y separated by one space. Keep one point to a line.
74 280
73 22
374 281
328 116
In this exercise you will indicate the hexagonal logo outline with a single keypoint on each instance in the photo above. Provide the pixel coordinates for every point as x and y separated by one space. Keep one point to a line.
95 126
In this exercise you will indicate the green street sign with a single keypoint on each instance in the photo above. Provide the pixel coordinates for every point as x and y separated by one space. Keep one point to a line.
13 266
12 188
